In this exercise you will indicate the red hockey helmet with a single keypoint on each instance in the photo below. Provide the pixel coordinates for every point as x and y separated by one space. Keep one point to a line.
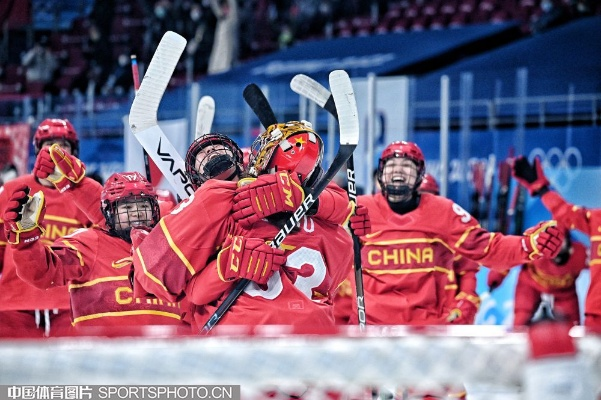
292 146
127 186
429 185
402 149
222 161
55 128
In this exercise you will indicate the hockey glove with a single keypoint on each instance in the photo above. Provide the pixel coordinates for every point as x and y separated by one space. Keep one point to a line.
531 176
60 168
267 195
543 240
495 279
248 258
23 216
360 222
465 309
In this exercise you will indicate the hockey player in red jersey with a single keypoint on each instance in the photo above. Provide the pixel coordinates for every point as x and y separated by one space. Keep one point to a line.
188 239
461 292
586 220
23 307
546 279
415 239
94 263
316 253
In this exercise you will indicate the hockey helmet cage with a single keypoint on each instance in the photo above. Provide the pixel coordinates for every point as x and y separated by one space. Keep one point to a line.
402 149
292 146
223 161
56 128
127 186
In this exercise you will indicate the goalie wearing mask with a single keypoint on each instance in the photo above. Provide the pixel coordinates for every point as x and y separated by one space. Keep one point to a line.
223 211
25 309
95 263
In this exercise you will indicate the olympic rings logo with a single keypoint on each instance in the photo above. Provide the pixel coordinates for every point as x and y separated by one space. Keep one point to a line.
561 166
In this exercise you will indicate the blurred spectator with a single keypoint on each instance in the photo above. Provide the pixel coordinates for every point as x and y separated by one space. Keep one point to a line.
580 8
552 16
200 37
97 51
120 80
40 64
224 53
286 37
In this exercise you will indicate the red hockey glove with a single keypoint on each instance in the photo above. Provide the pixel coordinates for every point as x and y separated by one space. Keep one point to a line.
495 279
360 222
465 309
543 240
248 258
267 195
138 234
23 216
60 168
531 176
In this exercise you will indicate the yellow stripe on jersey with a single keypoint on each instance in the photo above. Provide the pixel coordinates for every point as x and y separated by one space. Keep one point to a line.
99 280
69 245
175 249
126 314
407 271
148 274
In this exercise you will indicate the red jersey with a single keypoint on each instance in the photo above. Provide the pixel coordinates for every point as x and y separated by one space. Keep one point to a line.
589 222
318 255
95 266
62 218
187 239
408 258
544 276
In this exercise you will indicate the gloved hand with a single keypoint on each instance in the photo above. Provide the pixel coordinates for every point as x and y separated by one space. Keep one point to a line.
531 176
495 279
137 235
543 240
267 195
465 309
360 222
60 168
23 215
248 258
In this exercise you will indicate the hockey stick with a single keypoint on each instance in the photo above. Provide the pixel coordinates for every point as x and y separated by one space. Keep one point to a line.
204 116
314 91
255 98
135 72
143 114
349 136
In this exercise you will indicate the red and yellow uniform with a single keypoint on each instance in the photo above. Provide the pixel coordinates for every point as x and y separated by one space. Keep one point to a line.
95 267
16 296
187 239
589 222
408 258
319 254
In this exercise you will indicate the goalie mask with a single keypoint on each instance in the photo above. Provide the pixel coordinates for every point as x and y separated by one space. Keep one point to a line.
292 146
53 129
395 175
128 200
213 156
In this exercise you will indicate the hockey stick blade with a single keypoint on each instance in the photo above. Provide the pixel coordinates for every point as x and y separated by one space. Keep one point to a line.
256 100
143 113
348 142
313 90
346 106
204 115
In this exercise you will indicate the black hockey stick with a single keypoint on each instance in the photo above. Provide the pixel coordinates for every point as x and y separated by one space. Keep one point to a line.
314 91
257 101
349 136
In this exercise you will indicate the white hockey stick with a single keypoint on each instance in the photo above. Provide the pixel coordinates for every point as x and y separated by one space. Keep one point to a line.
349 137
204 116
314 91
143 114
